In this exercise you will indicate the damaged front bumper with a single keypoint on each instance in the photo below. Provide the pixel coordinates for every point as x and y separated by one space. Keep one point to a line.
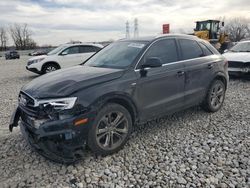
59 140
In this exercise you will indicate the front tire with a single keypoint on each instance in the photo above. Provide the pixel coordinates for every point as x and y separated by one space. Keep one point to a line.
110 130
50 67
215 96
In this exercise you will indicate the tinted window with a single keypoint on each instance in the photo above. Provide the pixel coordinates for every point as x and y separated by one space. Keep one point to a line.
87 49
163 49
72 50
206 51
190 49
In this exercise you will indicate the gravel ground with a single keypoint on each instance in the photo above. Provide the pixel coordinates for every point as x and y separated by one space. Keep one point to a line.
188 149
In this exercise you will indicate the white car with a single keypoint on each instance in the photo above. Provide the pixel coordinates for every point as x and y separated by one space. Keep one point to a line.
239 59
63 56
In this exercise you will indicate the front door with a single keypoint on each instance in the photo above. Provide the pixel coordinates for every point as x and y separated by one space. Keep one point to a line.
161 89
70 57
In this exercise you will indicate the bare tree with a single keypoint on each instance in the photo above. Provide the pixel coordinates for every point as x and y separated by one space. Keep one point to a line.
3 38
21 36
237 29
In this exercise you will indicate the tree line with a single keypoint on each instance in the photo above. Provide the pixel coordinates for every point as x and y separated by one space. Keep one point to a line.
20 34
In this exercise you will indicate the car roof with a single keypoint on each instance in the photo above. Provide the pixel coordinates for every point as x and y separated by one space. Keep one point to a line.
153 38
82 44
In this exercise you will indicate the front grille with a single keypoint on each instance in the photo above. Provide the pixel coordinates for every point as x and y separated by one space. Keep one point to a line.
236 64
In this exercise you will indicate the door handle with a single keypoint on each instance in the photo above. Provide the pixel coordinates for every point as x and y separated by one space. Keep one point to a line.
210 66
180 73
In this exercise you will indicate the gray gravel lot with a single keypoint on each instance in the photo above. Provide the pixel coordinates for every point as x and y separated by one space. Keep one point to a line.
189 149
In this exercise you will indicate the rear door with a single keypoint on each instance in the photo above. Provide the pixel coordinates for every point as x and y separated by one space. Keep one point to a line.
161 89
199 69
86 51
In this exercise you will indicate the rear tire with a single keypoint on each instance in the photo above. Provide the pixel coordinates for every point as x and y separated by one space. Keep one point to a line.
215 96
50 67
110 129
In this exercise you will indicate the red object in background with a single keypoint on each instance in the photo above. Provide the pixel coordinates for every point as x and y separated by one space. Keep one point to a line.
165 28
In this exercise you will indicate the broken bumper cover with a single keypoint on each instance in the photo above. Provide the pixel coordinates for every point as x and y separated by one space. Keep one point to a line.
60 140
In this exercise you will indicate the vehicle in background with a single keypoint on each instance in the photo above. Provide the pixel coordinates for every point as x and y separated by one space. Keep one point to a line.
12 55
40 52
214 32
239 59
63 56
130 81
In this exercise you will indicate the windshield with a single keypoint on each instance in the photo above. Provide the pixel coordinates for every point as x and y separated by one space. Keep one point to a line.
241 47
56 50
117 55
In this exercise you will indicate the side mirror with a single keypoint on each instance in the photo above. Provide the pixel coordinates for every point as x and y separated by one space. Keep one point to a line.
64 53
152 62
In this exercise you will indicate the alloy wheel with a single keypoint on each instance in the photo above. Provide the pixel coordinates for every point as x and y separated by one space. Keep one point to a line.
217 95
50 69
111 130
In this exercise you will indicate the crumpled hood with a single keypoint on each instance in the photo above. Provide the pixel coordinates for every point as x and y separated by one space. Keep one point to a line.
237 56
64 82
37 57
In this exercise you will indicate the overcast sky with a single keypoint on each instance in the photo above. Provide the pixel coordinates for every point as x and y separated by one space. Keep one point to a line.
58 21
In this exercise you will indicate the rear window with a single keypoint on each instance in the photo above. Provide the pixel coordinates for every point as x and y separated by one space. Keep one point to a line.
190 49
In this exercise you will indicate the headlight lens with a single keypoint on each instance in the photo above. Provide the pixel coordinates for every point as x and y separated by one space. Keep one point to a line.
58 104
35 61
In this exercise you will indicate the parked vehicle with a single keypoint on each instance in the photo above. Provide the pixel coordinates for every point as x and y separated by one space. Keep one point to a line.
128 82
12 55
63 56
239 59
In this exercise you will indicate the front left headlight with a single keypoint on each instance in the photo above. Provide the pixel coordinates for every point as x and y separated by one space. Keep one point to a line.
57 104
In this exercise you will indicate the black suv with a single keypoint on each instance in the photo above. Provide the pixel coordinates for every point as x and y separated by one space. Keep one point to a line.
128 82
12 55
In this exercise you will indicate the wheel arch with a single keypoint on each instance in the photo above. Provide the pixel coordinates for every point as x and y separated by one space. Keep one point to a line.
51 62
122 100
222 77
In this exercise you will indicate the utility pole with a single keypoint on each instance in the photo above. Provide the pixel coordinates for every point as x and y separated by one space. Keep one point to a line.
127 30
136 31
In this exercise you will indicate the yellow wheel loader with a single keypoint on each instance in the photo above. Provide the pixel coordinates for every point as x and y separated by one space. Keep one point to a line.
212 31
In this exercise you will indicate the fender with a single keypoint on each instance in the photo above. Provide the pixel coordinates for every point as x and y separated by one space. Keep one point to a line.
117 97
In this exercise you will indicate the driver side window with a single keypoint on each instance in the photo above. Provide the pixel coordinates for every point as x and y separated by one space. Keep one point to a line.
165 50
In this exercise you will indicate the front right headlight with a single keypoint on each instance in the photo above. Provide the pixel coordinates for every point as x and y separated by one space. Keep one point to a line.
35 61
57 104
